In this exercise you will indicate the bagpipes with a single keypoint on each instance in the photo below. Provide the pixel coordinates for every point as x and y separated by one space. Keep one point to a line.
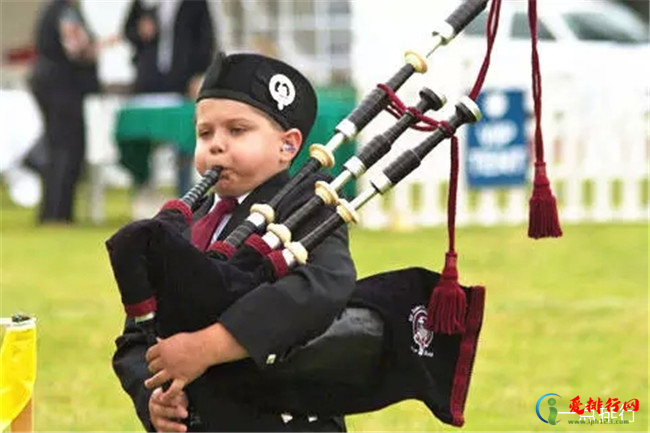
405 334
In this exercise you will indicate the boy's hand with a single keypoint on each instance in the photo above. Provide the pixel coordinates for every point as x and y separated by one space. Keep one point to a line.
179 358
166 410
185 356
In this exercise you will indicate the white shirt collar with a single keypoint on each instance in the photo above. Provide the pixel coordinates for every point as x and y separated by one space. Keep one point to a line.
217 199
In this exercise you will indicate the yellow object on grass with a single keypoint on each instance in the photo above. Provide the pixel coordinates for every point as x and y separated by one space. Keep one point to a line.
17 368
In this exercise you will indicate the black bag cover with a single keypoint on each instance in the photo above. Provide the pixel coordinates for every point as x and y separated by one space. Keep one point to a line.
377 353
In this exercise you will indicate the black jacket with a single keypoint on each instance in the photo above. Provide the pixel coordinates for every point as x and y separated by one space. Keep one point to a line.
193 47
53 72
268 321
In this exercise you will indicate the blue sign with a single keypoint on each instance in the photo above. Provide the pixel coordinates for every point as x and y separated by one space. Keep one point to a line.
497 153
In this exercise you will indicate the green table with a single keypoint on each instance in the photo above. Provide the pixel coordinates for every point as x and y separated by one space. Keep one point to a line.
139 125
173 124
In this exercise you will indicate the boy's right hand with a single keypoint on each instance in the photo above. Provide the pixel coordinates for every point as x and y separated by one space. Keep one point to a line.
165 411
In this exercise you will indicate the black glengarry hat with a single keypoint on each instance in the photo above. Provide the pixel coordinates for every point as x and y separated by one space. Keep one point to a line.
265 83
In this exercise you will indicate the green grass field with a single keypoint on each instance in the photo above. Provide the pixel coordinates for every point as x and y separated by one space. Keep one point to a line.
566 316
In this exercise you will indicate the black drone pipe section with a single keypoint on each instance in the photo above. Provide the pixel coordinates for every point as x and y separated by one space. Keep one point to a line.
376 148
402 166
380 145
411 158
465 13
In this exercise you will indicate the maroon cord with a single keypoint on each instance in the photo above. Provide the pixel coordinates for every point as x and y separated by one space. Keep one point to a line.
543 219
397 108
447 304
492 27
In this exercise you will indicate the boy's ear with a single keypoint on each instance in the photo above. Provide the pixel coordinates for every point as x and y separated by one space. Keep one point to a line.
291 144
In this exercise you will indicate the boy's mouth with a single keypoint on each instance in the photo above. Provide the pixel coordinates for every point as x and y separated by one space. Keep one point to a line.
224 175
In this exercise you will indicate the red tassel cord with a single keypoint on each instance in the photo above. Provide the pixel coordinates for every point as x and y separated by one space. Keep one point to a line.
491 33
543 219
447 305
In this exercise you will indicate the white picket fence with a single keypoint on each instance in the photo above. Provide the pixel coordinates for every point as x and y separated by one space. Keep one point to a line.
597 144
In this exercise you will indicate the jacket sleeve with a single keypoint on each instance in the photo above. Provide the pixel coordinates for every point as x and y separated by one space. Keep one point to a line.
204 39
274 317
131 368
131 25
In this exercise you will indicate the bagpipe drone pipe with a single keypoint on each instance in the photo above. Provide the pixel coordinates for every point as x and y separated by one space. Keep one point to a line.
404 334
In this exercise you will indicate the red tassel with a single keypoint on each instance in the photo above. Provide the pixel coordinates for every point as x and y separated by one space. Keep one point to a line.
543 221
447 305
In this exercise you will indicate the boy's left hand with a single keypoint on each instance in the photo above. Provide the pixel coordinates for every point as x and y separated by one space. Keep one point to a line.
178 358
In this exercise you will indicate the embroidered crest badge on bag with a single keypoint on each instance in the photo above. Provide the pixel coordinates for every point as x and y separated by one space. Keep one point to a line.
421 335
282 90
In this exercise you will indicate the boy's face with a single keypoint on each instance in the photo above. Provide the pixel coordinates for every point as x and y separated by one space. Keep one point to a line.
244 141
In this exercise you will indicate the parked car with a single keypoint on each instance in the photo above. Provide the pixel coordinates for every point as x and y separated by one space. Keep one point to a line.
578 39
580 21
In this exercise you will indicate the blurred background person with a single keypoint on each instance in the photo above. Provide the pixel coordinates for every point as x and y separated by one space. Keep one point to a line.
65 70
173 43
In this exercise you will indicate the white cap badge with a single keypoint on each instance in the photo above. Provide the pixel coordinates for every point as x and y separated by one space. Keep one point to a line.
282 90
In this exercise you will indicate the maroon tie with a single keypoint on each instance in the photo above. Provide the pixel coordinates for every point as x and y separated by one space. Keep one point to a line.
203 229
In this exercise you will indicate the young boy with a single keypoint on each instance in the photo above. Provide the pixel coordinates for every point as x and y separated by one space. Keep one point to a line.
253 114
